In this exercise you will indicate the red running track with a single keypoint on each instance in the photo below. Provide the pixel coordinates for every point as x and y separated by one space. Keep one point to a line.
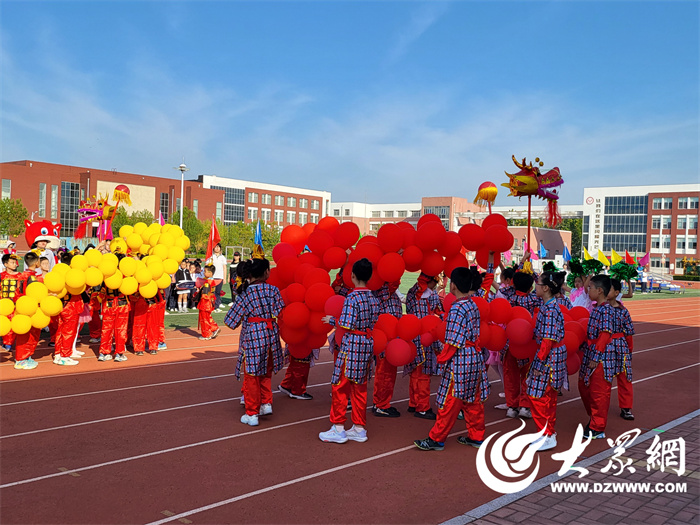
158 438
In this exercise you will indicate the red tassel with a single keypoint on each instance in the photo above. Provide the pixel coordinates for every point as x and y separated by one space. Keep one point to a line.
553 216
80 232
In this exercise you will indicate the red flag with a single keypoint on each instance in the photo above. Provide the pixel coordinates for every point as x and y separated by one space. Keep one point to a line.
628 258
214 239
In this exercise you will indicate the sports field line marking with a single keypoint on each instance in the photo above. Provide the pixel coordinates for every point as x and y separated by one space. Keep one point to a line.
252 432
336 469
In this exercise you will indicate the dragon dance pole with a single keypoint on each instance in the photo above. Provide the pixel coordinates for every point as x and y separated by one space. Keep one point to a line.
529 215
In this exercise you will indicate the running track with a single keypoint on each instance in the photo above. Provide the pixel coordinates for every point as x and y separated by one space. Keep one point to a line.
158 439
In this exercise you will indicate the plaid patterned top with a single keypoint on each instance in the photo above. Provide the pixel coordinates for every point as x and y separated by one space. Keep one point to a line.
389 303
549 325
564 300
601 320
622 324
529 301
360 312
257 340
507 292
421 308
465 372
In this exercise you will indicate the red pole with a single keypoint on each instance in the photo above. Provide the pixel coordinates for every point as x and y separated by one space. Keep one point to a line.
529 214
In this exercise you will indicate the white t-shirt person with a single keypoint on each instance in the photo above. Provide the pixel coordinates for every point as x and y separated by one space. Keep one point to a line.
218 260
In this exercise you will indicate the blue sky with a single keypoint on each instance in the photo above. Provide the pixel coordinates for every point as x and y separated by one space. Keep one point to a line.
373 101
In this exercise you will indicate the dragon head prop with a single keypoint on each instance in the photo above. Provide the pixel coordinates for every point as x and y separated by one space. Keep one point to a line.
529 181
98 209
42 231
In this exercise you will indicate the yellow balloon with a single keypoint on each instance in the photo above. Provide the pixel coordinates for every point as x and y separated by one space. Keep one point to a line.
51 305
129 286
7 306
79 262
118 245
153 239
164 281
127 266
134 241
93 277
62 293
176 253
77 290
40 320
143 276
5 326
153 259
21 324
140 227
183 242
107 267
166 228
37 290
114 281
161 251
155 227
75 278
167 239
26 305
55 281
170 266
110 257
60 268
156 270
144 248
126 230
94 257
148 290
176 231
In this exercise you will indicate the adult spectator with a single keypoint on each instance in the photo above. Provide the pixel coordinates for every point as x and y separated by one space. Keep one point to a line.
232 273
218 260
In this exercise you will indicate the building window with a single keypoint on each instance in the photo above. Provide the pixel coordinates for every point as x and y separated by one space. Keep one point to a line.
177 204
279 216
402 214
303 218
389 213
253 197
666 242
291 202
415 213
655 262
42 199
666 222
683 203
6 188
315 205
234 204
265 215
70 200
655 242
682 223
219 209
374 227
376 214
667 203
693 203
336 212
680 243
693 222
625 223
692 242
291 217
252 214
54 201
441 211
195 207
655 222
314 218
656 204
165 205
266 198
347 212
303 203
279 200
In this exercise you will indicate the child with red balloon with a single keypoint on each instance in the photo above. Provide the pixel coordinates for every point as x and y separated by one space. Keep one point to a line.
358 317
464 385
548 369
623 349
257 311
422 301
385 372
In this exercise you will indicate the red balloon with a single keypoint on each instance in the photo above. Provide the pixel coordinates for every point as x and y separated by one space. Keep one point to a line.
409 236
451 244
432 263
316 325
310 258
579 312
317 294
294 235
391 267
317 340
427 339
447 301
338 336
380 341
286 268
584 324
334 306
567 318
367 238
375 282
519 332
430 235
484 335
319 241
455 261
334 257
301 272
498 338
501 310
413 257
308 228
518 312
388 324
494 219
390 238
296 315
472 236
498 238
573 364
399 352
299 350
526 351
328 224
293 335
347 276
274 279
316 275
429 323
428 217
294 293
484 309
346 235
405 225
482 258
576 328
370 251
571 342
408 327
440 331
282 250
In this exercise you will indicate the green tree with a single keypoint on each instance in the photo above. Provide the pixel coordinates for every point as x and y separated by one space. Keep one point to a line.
122 217
12 217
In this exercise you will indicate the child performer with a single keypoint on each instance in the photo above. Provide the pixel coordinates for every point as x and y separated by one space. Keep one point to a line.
358 317
422 301
623 348
95 324
26 343
115 322
598 366
68 323
385 373
548 370
464 385
138 319
257 310
9 288
205 305
505 289
155 326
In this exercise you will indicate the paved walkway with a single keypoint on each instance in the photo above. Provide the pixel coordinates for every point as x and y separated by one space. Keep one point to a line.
543 506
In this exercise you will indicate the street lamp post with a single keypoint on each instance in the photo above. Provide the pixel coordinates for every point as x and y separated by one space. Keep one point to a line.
182 168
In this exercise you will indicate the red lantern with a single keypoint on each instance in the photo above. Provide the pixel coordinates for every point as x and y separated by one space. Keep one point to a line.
319 241
494 219
500 310
428 217
334 257
432 263
455 261
399 352
484 309
526 351
451 244
346 235
498 238
334 306
430 235
413 257
316 275
391 267
298 350
317 294
296 315
390 238
294 235
286 268
294 293
387 323
282 250
328 224
472 236
380 341
519 332
573 364
408 327
498 338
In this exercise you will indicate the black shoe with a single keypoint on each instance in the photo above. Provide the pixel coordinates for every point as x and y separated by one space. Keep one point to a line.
626 413
285 391
305 396
464 440
428 414
594 434
52 344
140 353
153 352
428 444
411 409
386 412
216 332
460 416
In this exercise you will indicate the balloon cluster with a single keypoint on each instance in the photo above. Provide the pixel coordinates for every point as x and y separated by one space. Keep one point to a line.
32 310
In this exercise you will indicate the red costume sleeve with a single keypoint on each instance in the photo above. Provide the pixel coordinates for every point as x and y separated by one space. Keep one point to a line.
487 282
545 347
630 342
447 352
602 341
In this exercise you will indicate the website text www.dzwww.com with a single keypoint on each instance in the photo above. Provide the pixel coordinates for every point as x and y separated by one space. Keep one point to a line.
604 488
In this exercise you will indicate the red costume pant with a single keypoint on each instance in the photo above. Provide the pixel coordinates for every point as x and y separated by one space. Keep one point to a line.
625 392
115 323
544 410
357 392
419 390
596 398
514 382
257 390
68 321
95 324
297 376
139 310
384 381
26 344
447 415
9 337
206 323
53 328
155 330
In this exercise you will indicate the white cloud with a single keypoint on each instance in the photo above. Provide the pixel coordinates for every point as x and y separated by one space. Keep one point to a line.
421 20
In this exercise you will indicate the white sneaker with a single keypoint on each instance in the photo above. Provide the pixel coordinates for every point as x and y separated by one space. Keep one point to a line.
333 436
94 339
265 409
525 413
357 434
76 355
242 400
166 312
249 420
502 394
65 361
512 412
545 443
502 406
77 352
